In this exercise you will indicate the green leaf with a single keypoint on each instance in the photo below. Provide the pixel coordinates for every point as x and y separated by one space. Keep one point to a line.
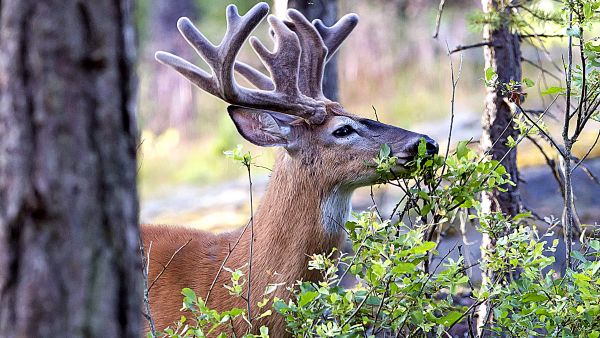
424 247
554 90
280 306
189 293
307 297
450 318
403 267
384 151
587 10
528 82
461 149
581 277
579 256
534 297
422 149
489 74
236 311
417 316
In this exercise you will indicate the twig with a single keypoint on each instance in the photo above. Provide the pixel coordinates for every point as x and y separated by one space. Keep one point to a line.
474 305
588 152
358 307
525 36
248 299
387 290
438 18
541 130
590 173
229 251
167 265
466 268
452 101
145 269
430 274
353 260
550 162
375 204
475 45
263 167
542 69
375 111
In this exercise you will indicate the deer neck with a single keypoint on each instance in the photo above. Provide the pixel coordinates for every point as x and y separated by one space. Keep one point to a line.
299 215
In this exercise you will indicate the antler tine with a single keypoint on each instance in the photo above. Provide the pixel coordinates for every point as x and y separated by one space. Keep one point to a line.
260 80
313 55
331 37
283 63
281 94
238 30
334 36
193 73
220 58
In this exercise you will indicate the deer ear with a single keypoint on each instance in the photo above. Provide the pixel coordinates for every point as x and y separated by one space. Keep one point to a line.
262 127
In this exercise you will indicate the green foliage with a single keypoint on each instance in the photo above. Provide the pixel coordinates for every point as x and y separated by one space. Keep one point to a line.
539 302
399 292
199 321
395 293
238 155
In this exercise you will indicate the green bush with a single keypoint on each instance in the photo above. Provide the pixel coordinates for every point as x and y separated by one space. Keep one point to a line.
399 292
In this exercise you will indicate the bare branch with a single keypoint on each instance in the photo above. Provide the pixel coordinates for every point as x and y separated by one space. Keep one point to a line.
475 45
146 266
167 265
589 151
528 36
251 250
542 69
438 19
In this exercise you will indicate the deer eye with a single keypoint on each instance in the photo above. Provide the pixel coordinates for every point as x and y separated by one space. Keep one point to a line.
343 131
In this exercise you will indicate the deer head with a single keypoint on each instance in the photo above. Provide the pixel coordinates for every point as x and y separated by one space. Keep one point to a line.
288 109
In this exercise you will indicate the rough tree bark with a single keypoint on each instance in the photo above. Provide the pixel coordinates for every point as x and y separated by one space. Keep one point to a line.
504 56
69 252
173 96
326 10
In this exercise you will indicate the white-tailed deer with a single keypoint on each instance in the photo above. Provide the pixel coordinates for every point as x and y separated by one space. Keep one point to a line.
325 156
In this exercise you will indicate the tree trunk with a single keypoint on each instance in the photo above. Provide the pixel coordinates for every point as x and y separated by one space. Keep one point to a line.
504 56
172 95
326 10
69 243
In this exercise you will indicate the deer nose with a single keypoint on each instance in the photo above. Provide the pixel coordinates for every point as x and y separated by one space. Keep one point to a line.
431 146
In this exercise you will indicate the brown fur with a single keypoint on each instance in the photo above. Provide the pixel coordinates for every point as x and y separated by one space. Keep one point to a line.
287 229
288 225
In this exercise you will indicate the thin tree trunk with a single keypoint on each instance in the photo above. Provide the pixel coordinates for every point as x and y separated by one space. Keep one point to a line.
504 56
326 10
69 262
